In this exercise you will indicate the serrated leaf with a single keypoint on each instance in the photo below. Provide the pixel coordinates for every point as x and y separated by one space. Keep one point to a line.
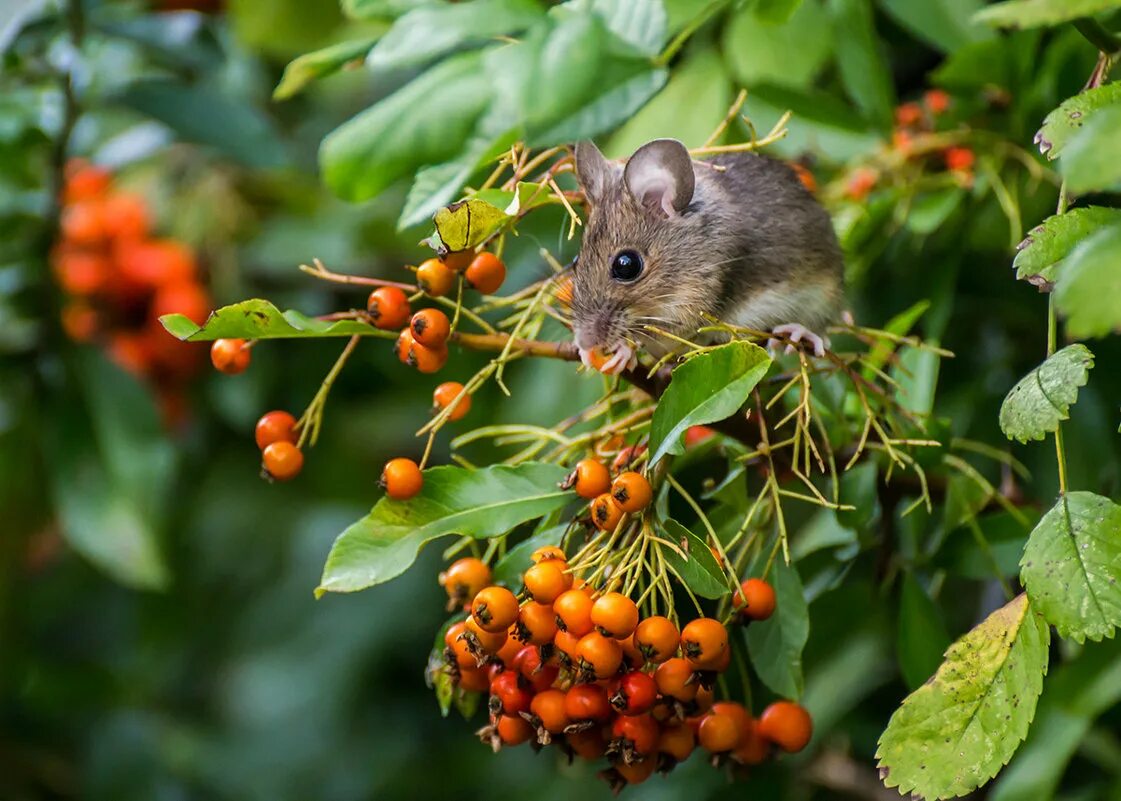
955 732
1088 290
1042 399
699 571
478 503
1043 252
468 223
705 389
1071 566
1072 114
1038 13
319 64
259 319
1092 159
775 644
428 32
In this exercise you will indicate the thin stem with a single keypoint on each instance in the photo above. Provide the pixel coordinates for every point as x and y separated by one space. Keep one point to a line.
312 417
1052 345
1097 35
686 33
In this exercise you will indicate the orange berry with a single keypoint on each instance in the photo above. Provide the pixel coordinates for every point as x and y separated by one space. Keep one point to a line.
154 262
446 394
513 730
757 598
626 457
615 615
573 609
84 181
566 644
401 479
434 278
908 115
589 479
459 260
546 580
79 321
599 655
632 492
430 328
738 713
588 744
657 638
548 706
188 298
126 216
606 514
131 352
677 741
81 272
494 608
464 578
703 642
695 435
786 724
230 356
936 101
597 358
275 426
635 772
412 353
282 460
959 158
753 748
546 552
388 307
639 733
718 733
703 702
861 182
473 679
536 624
587 702
902 141
674 678
490 642
485 273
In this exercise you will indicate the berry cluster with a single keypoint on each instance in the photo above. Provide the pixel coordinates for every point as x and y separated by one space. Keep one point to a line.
119 279
576 667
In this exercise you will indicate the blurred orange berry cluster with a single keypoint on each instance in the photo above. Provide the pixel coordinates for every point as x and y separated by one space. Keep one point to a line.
119 279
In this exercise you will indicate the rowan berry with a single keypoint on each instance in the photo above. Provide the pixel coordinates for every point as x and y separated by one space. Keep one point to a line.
599 655
589 479
513 730
632 492
388 307
536 623
908 115
464 578
615 615
472 679
675 680
486 272
753 748
606 514
458 260
566 644
588 743
401 479
549 707
434 278
718 733
446 394
695 435
545 581
936 101
282 460
657 638
585 702
430 328
414 354
703 642
786 724
547 552
636 734
494 608
635 772
574 612
508 695
636 694
84 181
275 426
230 356
959 158
757 599
489 642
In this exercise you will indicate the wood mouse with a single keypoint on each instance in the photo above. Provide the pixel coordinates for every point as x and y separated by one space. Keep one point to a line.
669 239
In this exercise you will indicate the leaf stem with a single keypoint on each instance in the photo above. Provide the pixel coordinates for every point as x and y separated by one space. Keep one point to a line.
1052 345
1094 33
687 32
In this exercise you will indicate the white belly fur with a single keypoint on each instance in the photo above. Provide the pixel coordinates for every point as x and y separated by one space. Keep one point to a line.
812 305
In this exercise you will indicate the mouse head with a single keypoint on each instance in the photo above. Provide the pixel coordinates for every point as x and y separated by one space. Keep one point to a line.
640 260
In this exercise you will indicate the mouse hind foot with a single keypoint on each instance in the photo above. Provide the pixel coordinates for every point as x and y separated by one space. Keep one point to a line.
797 333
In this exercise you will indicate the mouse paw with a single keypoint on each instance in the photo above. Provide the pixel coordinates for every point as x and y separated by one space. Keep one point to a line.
798 333
624 358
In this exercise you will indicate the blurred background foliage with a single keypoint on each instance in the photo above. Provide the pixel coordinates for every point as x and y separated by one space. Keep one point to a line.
158 635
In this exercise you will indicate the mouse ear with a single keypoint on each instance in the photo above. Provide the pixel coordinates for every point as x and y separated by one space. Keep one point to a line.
593 169
660 176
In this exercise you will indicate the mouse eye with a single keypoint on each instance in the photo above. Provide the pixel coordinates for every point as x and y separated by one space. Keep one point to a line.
626 267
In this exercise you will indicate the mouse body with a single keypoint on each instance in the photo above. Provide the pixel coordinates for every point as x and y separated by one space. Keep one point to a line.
669 239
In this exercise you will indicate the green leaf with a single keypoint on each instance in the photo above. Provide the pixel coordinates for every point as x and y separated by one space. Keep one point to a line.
1092 159
380 9
428 32
921 636
475 503
209 117
917 374
1088 289
1037 13
1044 251
1071 566
944 24
1060 126
865 72
319 64
427 121
259 319
965 499
955 732
792 53
775 644
900 325
508 571
859 489
776 11
1042 399
608 110
705 389
699 571
468 223
639 23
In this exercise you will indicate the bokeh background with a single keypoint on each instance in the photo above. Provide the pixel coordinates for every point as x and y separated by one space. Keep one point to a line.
158 634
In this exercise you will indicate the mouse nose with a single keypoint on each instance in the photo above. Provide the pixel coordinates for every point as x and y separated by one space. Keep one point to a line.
585 337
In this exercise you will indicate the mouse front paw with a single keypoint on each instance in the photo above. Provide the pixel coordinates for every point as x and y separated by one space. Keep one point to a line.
797 333
622 358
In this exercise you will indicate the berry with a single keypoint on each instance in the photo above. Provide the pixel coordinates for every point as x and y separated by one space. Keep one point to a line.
545 581
155 262
695 435
424 359
460 645
276 426
588 744
626 456
677 741
84 223
574 612
229 356
599 655
430 328
589 479
861 181
80 272
125 216
753 749
739 714
464 578
566 644
507 695
908 115
615 615
84 181
513 730
703 642
388 307
434 278
674 678
282 460
635 772
537 625
632 492
786 724
636 694
587 702
657 638
636 733
546 552
757 598
473 679
446 394
718 733
606 514
936 101
494 608
808 181
509 650
548 706
959 158
485 273
401 478
459 260
489 642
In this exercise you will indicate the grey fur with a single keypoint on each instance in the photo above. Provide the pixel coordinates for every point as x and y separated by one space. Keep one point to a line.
753 247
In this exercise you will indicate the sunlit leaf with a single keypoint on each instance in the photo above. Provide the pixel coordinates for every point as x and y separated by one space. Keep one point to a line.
1091 161
1037 13
1072 114
259 319
639 23
775 644
468 223
699 571
1043 252
607 110
705 389
776 11
955 732
1089 287
1071 566
478 503
321 63
792 53
1042 399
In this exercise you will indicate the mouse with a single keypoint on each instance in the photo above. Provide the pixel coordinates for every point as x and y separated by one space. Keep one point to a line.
669 239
